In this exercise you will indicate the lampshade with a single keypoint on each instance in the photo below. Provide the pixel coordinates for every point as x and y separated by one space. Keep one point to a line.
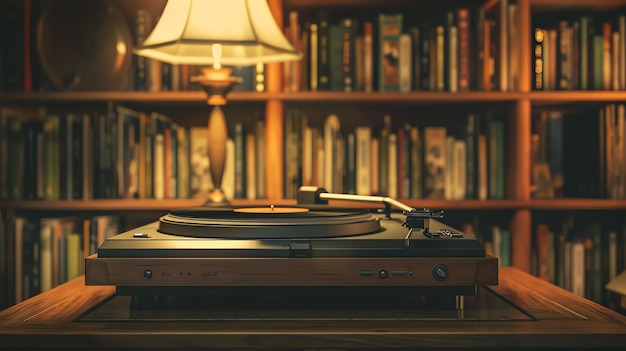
245 29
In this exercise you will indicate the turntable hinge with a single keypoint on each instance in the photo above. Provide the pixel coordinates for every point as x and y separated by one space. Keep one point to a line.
300 248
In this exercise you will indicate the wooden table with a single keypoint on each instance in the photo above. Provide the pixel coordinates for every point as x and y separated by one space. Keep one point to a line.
557 319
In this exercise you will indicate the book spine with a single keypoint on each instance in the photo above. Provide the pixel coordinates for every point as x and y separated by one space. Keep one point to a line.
240 156
390 28
313 56
405 64
323 54
348 59
335 53
368 56
464 54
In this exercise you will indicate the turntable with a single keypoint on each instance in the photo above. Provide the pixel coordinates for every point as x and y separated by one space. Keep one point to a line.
311 246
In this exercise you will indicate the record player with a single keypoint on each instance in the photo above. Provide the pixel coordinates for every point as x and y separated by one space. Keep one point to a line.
311 246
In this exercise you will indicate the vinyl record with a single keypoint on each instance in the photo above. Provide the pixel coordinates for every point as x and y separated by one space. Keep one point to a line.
269 222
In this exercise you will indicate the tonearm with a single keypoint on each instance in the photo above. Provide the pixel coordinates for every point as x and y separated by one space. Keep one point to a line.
415 219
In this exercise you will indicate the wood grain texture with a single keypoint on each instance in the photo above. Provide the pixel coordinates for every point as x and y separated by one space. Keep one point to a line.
563 320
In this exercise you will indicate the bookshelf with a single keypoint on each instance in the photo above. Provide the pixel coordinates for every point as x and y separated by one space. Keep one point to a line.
517 210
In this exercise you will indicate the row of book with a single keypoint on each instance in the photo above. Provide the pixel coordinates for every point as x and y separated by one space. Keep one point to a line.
562 141
123 153
401 161
43 252
469 48
581 54
119 153
581 256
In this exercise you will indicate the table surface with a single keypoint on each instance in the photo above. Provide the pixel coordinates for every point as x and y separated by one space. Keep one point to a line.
551 318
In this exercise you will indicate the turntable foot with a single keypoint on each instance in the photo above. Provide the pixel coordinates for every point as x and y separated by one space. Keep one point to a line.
148 302
449 302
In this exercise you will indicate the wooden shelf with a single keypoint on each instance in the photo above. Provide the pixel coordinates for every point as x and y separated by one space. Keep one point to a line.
478 205
415 97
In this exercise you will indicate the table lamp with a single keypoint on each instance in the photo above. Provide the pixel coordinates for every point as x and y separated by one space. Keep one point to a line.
217 33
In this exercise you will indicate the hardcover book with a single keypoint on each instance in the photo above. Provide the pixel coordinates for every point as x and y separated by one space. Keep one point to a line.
390 29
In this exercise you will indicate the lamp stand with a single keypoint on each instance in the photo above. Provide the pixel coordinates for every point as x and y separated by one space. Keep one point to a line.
216 83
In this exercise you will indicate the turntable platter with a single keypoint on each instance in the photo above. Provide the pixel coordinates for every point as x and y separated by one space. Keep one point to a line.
269 222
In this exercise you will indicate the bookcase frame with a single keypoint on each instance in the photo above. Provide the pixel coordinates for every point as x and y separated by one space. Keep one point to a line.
522 100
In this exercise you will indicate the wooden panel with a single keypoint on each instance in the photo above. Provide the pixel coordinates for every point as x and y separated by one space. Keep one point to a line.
290 271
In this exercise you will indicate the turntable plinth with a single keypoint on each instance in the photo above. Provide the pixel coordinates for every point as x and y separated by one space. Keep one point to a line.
354 271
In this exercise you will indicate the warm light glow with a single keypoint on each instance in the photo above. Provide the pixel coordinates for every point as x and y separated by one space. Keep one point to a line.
246 30
217 56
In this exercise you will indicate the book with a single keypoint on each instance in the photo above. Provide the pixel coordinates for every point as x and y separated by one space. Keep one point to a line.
200 182
349 181
228 179
128 160
323 52
313 56
389 31
335 58
434 162
348 54
250 165
51 171
182 164
331 152
416 161
363 138
240 161
260 158
392 166
405 63
463 24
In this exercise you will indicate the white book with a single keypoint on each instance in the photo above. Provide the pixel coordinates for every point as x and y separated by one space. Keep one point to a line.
578 268
159 167
363 160
392 179
453 55
228 180
320 160
405 63
331 134
459 170
449 170
46 265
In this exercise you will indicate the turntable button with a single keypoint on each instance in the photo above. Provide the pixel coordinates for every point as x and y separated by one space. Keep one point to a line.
383 274
147 274
440 272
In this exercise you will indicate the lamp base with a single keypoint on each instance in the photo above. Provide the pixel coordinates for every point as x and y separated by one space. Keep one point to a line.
217 83
217 198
